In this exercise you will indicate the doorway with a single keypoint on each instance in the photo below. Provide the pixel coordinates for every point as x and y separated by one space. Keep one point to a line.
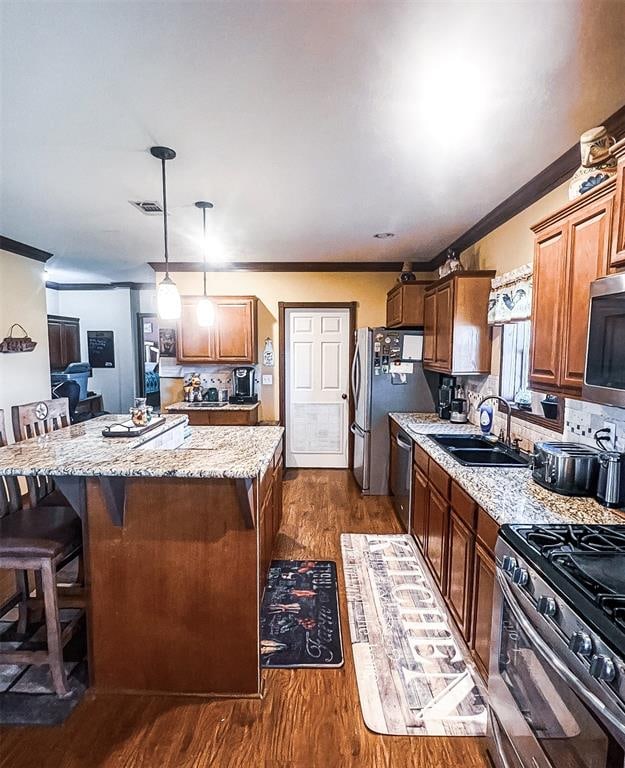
148 358
316 347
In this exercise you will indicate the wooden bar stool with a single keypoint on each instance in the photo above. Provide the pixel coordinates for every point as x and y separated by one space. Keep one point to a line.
34 420
39 539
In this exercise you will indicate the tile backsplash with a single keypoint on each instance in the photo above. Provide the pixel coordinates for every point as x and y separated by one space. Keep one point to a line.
581 419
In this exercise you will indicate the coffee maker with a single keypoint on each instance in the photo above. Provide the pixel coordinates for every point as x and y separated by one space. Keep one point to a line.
244 385
446 393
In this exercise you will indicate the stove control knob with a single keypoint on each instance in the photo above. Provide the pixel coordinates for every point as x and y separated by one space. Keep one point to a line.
546 606
508 563
520 576
581 643
602 668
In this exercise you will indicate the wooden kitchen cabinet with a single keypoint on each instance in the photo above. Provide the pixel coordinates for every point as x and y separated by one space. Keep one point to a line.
617 250
436 536
218 417
572 248
461 552
232 339
404 305
456 334
483 594
63 341
420 500
270 512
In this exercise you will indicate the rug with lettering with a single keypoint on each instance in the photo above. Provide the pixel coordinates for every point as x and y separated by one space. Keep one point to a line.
300 624
413 670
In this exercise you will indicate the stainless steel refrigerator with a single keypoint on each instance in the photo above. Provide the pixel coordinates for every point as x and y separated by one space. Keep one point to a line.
387 375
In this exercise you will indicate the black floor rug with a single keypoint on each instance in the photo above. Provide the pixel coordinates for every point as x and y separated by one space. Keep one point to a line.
27 695
300 624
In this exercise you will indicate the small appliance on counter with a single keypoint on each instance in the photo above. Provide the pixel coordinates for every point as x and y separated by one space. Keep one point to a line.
611 482
446 393
244 385
571 469
458 411
211 395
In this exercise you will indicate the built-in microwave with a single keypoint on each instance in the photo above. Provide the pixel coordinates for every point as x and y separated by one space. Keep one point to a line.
604 375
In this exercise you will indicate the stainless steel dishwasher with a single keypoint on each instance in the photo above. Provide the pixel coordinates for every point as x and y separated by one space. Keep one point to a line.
401 466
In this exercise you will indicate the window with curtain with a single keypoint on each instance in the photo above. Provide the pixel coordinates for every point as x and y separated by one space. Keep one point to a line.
515 354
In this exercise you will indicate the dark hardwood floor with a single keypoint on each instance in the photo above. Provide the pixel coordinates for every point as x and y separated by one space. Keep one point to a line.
308 718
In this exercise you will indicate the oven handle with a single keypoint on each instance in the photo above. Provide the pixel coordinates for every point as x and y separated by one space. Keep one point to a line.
494 726
553 661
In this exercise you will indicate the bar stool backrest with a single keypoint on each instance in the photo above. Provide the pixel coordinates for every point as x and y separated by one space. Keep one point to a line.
10 495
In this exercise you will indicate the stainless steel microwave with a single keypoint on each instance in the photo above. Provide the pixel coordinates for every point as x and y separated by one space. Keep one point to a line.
604 375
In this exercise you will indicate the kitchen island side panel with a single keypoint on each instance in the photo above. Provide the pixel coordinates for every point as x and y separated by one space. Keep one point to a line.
173 603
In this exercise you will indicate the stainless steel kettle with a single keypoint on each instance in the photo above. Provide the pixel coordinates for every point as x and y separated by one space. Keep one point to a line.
611 483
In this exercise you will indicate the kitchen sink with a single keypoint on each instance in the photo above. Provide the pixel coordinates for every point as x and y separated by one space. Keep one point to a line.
477 451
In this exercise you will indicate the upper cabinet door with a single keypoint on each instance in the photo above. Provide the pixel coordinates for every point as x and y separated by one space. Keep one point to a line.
393 308
617 256
587 259
235 330
195 343
444 325
429 327
549 275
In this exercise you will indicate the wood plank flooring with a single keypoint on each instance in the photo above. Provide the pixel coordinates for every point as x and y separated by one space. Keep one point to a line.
308 718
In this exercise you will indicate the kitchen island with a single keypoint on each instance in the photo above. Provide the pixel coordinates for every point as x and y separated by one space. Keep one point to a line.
178 526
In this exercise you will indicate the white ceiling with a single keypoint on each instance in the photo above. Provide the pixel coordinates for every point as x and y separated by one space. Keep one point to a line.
310 125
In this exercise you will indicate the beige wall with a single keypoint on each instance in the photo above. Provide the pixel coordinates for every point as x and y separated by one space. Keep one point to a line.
367 288
512 244
24 376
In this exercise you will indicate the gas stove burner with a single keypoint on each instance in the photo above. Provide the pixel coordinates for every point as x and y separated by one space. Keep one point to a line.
551 539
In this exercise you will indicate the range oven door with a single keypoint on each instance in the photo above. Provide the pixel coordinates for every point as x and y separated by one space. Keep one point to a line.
541 714
604 376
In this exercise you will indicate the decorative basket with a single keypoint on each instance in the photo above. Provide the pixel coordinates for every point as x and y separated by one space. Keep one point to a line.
17 344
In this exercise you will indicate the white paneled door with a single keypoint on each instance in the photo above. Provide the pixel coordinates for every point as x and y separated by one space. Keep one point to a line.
317 387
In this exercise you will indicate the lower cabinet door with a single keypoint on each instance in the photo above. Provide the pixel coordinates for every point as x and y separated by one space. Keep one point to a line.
277 500
436 536
483 591
460 573
419 506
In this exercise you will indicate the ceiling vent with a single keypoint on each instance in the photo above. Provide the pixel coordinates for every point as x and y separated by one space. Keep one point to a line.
149 207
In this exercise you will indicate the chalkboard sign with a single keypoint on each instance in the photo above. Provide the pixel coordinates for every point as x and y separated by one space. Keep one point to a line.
101 349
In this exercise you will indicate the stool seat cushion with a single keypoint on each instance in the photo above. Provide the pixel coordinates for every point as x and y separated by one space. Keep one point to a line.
39 532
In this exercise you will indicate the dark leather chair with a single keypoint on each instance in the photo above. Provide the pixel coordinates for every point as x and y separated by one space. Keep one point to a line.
71 390
43 540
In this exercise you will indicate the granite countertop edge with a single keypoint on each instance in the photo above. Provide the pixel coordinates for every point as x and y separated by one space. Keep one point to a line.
219 452
190 407
508 495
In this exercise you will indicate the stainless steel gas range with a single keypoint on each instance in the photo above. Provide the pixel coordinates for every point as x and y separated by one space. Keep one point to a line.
557 668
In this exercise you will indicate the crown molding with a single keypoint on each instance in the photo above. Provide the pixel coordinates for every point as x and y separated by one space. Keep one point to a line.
21 249
98 286
544 182
291 266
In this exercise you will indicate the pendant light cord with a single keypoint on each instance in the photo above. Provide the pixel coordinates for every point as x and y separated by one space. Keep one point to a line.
204 257
165 219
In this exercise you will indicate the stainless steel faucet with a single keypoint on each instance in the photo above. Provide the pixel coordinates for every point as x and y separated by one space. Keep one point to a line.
508 418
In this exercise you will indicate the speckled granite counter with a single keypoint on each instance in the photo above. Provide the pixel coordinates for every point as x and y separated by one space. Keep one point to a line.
508 495
183 407
80 450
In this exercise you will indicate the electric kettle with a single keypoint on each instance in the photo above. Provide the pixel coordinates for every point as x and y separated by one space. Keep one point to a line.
611 483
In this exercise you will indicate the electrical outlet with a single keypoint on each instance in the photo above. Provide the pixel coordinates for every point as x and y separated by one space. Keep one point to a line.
267 379
612 436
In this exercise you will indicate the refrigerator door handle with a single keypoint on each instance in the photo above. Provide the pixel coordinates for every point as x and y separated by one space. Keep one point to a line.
356 430
356 376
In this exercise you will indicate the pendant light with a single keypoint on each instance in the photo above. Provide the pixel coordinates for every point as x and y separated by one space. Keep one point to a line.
205 307
168 303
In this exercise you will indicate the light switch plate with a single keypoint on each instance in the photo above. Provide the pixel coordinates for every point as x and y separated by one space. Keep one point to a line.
267 379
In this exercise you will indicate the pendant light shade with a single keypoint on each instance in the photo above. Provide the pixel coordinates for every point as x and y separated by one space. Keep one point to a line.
205 307
168 304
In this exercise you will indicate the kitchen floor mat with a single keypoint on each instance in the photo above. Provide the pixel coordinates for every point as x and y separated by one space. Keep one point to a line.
413 671
300 625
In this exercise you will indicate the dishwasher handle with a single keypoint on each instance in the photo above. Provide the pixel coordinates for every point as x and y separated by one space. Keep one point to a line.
402 444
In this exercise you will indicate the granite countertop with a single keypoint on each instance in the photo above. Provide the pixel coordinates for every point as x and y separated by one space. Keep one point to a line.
207 452
508 495
184 407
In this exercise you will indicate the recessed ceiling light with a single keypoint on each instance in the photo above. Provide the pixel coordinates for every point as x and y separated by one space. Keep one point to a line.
384 235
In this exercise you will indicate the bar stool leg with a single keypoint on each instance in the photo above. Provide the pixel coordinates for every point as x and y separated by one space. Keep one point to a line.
53 629
21 578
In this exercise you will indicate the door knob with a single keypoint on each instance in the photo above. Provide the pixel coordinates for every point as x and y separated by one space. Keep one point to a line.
344 396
